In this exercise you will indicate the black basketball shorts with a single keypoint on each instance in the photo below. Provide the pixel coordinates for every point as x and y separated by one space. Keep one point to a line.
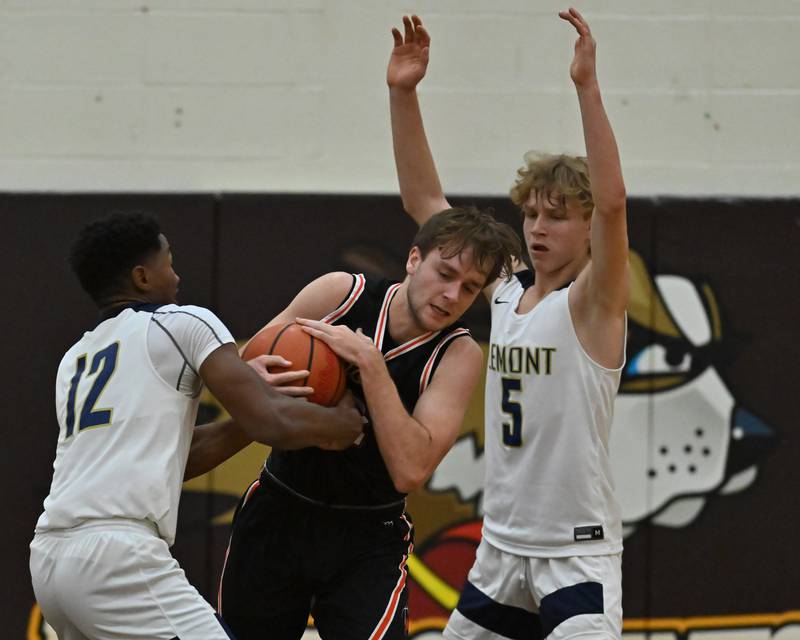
288 558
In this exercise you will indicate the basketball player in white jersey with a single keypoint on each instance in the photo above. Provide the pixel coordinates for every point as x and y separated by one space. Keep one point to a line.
549 564
126 400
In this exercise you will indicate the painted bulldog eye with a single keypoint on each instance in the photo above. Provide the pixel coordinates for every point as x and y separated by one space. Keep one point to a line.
677 357
656 359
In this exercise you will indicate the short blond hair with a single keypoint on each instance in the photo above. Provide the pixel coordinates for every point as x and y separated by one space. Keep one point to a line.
565 175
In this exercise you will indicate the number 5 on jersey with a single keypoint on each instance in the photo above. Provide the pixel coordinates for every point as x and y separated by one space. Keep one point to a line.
89 416
512 433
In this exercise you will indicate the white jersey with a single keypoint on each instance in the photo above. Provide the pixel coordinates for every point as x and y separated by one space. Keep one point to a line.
549 406
126 400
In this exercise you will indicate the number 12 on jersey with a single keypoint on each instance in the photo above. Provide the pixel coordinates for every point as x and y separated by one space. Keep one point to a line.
89 416
512 433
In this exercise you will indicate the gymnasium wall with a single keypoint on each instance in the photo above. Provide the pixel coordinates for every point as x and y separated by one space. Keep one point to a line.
258 131
704 445
289 95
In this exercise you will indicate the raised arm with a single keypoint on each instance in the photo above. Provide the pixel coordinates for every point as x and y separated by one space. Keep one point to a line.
607 277
419 182
600 294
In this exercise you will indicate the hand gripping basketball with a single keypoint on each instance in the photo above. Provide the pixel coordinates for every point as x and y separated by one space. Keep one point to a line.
327 372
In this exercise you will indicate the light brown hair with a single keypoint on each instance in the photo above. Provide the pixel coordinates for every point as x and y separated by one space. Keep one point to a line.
494 245
557 177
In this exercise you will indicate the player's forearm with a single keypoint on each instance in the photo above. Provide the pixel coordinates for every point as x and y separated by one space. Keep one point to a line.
293 426
420 188
605 171
269 417
212 444
404 443
290 423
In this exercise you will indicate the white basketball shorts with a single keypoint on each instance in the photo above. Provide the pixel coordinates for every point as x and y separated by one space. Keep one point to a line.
116 580
522 598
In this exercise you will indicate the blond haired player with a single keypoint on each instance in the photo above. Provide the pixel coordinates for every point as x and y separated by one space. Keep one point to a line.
549 564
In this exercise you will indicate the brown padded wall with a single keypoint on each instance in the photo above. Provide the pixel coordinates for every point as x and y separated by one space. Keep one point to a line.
245 256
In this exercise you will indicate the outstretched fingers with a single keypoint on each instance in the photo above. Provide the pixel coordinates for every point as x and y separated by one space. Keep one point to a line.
413 33
316 328
421 35
286 377
409 30
423 38
574 17
398 38
409 59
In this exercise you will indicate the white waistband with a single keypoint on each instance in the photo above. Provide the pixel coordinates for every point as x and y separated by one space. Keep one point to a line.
105 524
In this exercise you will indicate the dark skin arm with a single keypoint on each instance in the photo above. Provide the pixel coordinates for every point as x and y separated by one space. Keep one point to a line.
213 444
264 415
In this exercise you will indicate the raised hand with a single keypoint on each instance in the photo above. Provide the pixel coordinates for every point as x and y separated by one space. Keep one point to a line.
409 60
582 70
262 364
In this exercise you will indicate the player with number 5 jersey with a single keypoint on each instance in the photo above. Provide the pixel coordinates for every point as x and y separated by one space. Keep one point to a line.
549 564
536 362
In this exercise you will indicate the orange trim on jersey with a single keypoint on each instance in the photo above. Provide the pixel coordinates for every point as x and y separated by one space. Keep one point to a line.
380 329
411 344
410 527
394 600
425 378
250 490
355 294
384 315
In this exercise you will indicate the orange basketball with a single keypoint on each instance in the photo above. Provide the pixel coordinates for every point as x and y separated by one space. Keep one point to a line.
327 372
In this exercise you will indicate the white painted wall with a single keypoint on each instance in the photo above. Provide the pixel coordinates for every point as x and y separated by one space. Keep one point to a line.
289 95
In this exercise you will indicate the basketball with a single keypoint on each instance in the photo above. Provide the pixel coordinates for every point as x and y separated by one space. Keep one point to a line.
327 371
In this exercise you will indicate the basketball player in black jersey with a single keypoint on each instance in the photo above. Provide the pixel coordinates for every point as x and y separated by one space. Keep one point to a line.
327 533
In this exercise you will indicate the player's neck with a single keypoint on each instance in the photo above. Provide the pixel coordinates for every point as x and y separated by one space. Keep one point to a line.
403 323
547 282
122 300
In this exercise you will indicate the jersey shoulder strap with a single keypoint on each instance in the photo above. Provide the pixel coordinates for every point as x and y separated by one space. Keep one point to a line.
357 288
436 355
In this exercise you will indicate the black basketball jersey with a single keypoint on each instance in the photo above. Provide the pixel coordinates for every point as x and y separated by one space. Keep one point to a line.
357 477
